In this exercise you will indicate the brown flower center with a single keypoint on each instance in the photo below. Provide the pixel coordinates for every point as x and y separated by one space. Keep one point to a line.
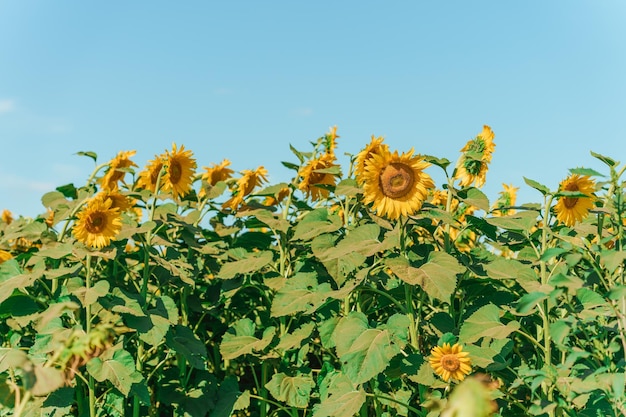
397 180
175 172
96 223
450 362
570 202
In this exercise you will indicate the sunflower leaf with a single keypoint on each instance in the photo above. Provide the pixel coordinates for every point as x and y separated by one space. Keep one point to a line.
537 186
88 154
586 171
610 162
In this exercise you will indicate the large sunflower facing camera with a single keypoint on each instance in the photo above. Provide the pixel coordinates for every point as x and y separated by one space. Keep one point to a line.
97 223
396 185
571 210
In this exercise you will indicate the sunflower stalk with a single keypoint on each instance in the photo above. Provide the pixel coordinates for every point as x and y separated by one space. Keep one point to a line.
91 389
547 338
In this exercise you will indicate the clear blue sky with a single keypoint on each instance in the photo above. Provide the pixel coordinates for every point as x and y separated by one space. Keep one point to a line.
244 79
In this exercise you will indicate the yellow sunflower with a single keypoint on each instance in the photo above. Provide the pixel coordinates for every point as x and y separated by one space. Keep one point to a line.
375 147
4 256
7 217
245 185
97 223
214 174
506 200
312 175
149 177
476 155
179 172
571 210
274 200
117 170
331 138
450 362
396 184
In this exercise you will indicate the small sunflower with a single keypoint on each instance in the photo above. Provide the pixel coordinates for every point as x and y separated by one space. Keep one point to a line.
313 175
180 168
276 199
396 184
97 223
116 170
571 210
375 147
214 174
331 138
476 154
245 185
505 201
450 362
7 217
149 177
4 256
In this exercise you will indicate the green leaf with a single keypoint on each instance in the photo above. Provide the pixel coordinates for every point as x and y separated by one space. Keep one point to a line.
528 302
315 223
241 340
98 290
366 352
68 190
474 197
539 187
227 397
17 305
501 268
348 188
440 162
471 398
610 162
255 261
182 340
338 397
11 278
522 220
612 259
293 340
485 322
88 154
437 277
551 253
293 390
272 221
586 171
47 380
301 293
119 370
491 355
12 358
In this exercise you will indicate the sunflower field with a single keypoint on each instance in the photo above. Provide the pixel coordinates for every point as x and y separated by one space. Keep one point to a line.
367 290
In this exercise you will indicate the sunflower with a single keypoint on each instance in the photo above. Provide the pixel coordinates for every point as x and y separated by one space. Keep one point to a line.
4 256
571 210
214 174
331 139
450 362
245 185
375 147
313 174
180 168
396 184
7 217
118 200
97 223
476 155
149 177
507 199
276 199
116 170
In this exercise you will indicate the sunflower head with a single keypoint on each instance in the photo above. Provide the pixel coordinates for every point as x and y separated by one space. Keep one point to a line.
571 210
97 223
180 168
214 174
396 185
450 362
506 200
476 154
117 170
315 173
149 177
276 199
4 256
330 140
118 200
245 185
375 147
7 217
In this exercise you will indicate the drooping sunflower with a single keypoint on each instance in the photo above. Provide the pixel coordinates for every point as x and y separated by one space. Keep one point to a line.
117 170
179 172
571 210
476 154
149 177
395 184
450 362
97 223
245 185
4 256
276 199
313 175
506 200
375 147
214 174
7 217
331 138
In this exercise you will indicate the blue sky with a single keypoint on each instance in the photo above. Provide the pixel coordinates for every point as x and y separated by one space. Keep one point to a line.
244 79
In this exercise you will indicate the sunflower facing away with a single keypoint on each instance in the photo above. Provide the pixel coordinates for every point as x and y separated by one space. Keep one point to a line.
214 174
375 147
312 177
97 223
395 184
116 170
506 200
149 177
450 362
7 217
571 210
476 155
245 185
179 172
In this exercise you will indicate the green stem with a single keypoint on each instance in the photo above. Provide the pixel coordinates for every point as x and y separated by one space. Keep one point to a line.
413 321
91 385
263 390
393 400
545 312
